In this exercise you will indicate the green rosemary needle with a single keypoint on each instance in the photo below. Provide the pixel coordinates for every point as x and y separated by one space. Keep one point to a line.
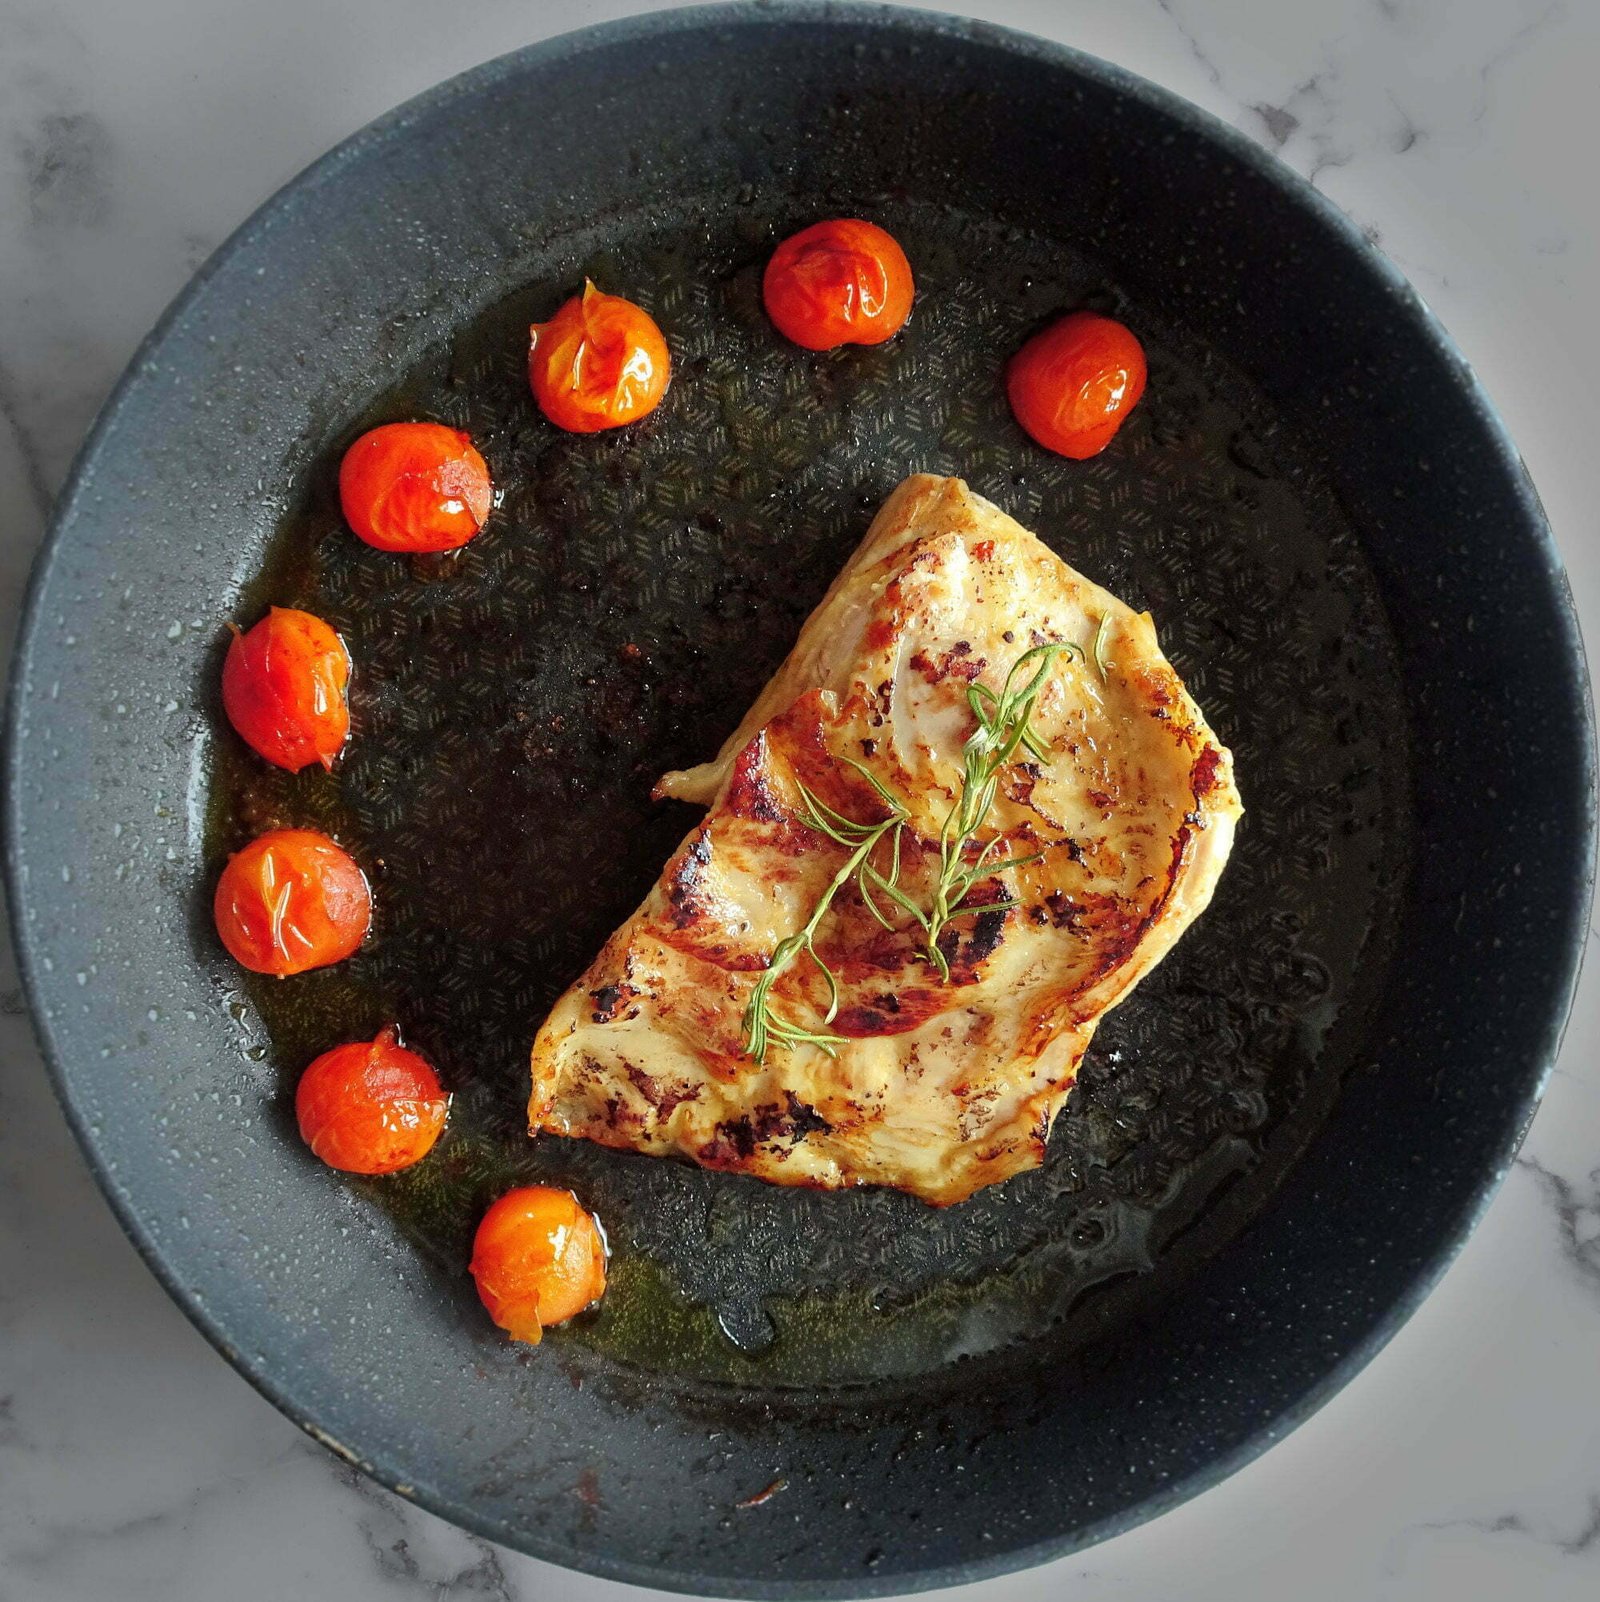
1101 662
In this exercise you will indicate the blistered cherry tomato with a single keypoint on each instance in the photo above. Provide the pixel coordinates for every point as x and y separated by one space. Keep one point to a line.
283 688
414 487
598 363
292 900
844 282
1073 385
538 1258
370 1107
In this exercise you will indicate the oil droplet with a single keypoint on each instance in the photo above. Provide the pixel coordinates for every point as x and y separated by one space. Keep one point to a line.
747 1325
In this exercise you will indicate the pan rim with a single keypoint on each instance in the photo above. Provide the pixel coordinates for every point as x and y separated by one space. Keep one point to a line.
910 23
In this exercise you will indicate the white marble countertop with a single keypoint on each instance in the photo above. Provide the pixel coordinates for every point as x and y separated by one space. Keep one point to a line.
1465 1462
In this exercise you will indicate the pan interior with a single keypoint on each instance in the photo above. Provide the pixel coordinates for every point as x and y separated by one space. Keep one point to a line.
513 703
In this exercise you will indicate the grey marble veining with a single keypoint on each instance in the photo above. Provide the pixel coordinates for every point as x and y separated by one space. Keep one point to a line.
1465 1461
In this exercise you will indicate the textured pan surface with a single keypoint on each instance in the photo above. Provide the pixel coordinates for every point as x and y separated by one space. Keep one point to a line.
1315 502
936 1089
515 703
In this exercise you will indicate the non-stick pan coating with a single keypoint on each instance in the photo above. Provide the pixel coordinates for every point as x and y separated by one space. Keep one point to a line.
1315 502
515 702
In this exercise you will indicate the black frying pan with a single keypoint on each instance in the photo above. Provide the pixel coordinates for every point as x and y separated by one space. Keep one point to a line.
1276 1145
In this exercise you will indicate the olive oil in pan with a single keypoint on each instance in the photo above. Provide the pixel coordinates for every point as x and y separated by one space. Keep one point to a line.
514 701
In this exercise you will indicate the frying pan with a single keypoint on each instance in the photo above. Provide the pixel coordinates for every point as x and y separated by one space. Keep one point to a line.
1276 1146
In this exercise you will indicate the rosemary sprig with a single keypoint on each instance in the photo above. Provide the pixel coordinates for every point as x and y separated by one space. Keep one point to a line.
1003 730
764 1025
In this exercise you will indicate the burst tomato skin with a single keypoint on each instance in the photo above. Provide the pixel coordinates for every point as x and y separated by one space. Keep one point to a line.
290 901
415 487
841 282
370 1107
538 1258
1072 385
284 686
600 362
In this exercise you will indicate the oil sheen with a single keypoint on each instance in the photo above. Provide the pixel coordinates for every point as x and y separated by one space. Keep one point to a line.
514 701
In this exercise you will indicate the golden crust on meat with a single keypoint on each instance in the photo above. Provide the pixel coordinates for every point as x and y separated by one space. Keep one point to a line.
940 1087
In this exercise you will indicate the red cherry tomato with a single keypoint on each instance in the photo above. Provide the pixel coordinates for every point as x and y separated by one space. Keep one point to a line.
844 282
1073 385
414 487
370 1107
292 900
538 1259
598 363
283 688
